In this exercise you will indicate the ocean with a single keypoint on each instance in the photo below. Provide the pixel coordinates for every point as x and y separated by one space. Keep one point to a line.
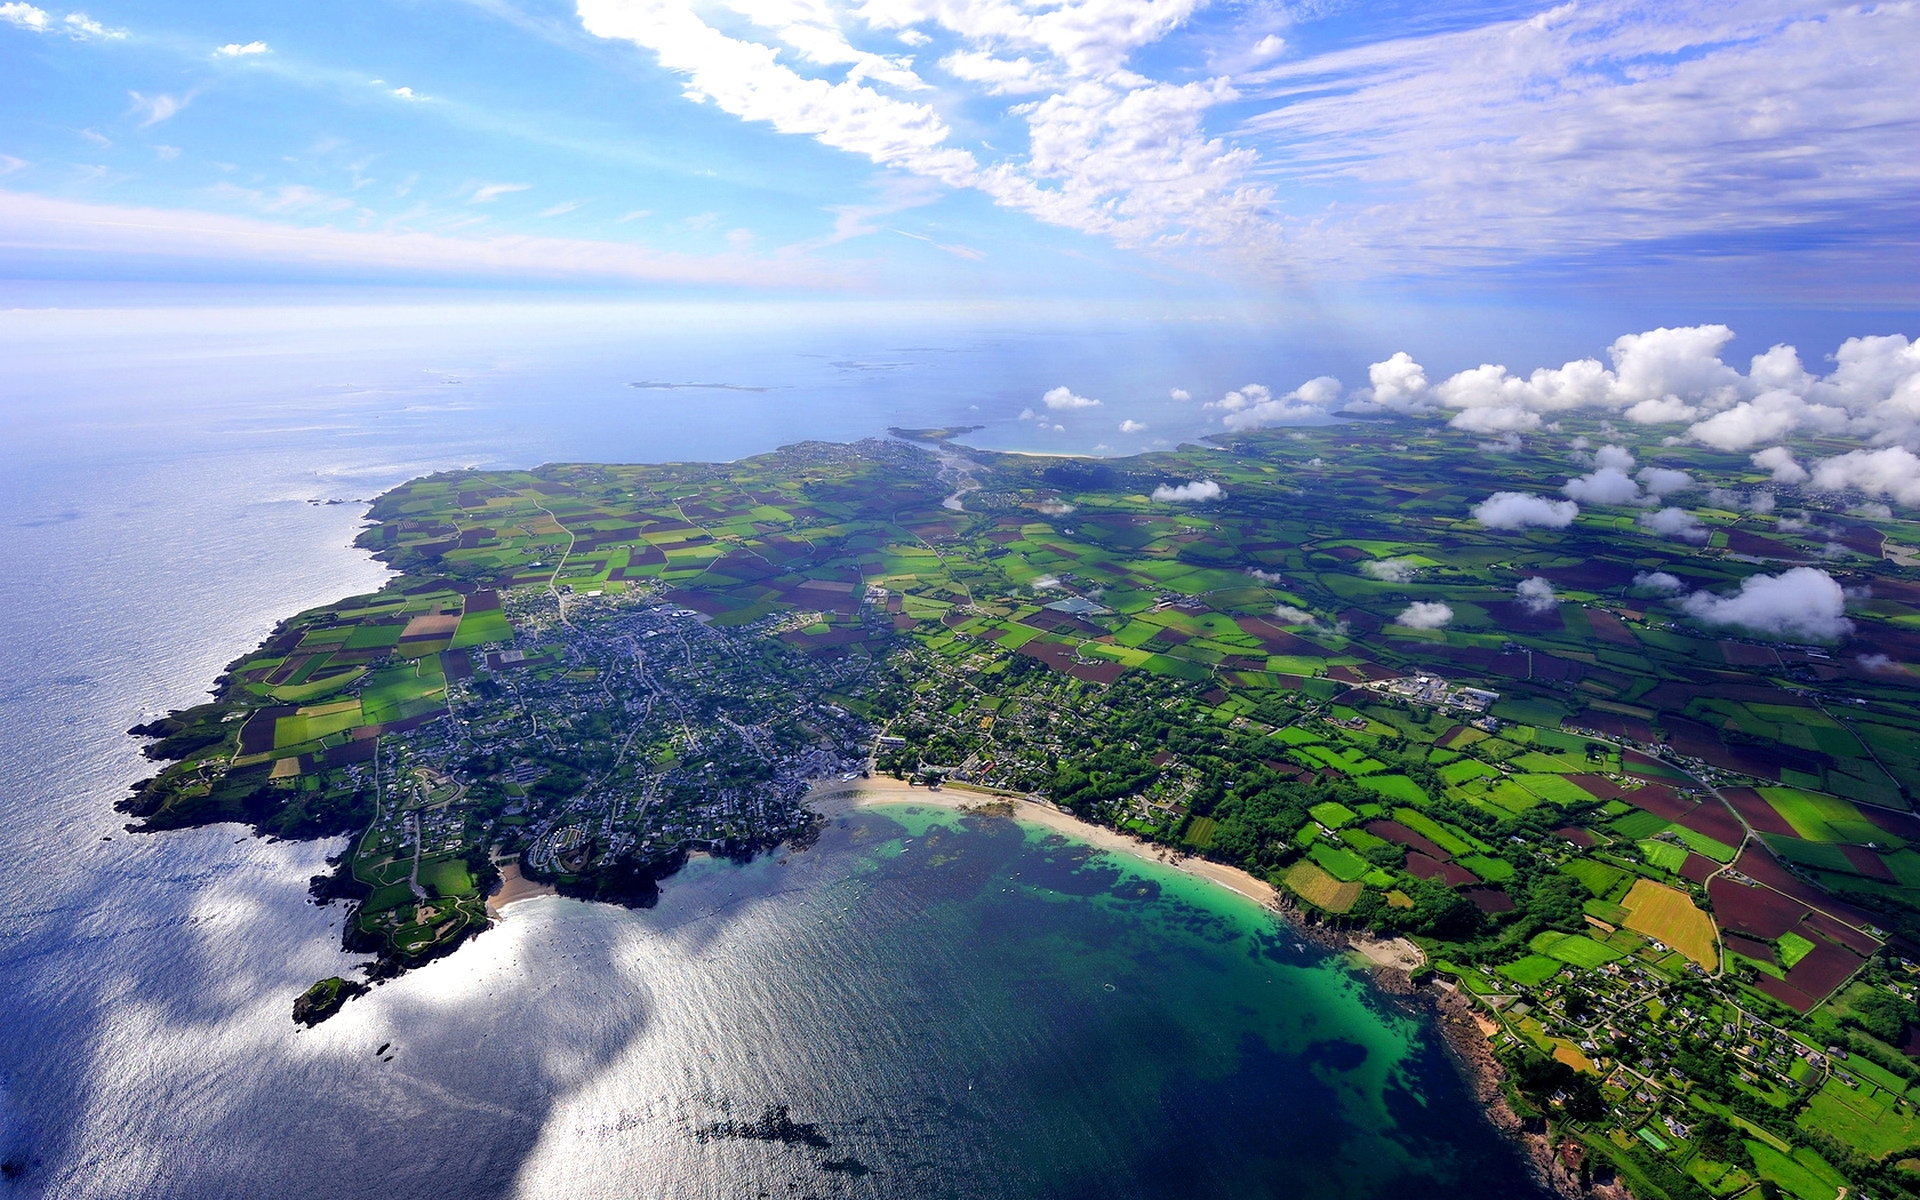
920 1005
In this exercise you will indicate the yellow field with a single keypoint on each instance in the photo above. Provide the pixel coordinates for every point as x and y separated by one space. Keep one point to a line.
1318 887
1668 915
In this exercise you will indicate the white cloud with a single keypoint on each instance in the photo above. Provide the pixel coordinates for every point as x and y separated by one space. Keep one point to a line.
1398 384
1663 481
1892 471
1286 614
1390 570
1779 460
1574 128
1132 426
1064 398
405 93
1522 510
493 191
76 25
561 209
1255 406
9 164
82 28
1536 595
1180 394
154 109
1190 493
1424 614
1608 485
1673 375
1674 523
25 16
242 49
1108 151
1804 602
1659 581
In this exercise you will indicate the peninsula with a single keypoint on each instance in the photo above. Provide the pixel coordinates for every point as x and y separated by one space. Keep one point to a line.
1636 774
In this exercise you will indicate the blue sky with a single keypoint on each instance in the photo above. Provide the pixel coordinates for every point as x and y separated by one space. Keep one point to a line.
1755 156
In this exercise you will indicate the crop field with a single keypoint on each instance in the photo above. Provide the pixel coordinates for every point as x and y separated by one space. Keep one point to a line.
1531 970
1317 887
1817 817
1668 915
1598 877
1577 949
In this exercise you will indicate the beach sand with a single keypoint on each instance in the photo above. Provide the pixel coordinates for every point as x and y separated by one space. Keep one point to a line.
841 795
515 886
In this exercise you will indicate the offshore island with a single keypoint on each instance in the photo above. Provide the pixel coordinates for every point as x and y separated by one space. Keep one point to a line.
1632 778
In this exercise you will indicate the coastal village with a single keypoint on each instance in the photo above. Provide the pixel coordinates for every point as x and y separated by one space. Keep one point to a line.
1663 870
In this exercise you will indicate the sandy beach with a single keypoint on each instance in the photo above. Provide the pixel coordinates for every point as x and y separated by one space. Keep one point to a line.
841 795
515 886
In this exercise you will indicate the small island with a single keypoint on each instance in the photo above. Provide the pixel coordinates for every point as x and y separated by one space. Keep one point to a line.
1655 844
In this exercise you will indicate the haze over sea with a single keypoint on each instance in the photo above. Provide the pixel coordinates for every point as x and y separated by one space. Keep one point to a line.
962 1009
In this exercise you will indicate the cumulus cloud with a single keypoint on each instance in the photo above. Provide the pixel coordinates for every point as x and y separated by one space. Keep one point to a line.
1189 493
1255 406
1522 510
1065 398
1674 375
26 16
1658 581
1674 523
1892 471
1779 460
1286 614
1536 595
1390 570
1424 614
1132 426
1607 485
242 49
1180 394
1804 603
1398 384
78 26
1663 481
1272 577
1046 582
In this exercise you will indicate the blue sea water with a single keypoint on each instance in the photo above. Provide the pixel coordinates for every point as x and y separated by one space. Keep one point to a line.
962 1008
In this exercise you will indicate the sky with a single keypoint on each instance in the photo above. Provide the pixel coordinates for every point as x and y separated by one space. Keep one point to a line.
1698 160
